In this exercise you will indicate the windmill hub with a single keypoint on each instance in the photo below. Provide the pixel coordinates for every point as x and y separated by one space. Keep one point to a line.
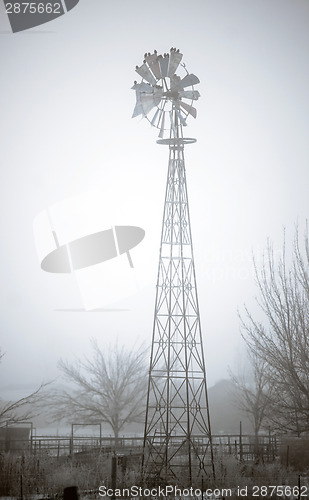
172 94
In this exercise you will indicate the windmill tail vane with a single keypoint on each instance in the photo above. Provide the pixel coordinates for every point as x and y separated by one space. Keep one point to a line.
163 97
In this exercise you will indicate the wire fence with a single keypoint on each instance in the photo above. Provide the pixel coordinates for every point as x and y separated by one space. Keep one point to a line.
245 466
246 447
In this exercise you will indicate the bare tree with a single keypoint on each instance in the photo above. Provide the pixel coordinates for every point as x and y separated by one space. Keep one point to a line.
110 387
254 394
281 343
24 408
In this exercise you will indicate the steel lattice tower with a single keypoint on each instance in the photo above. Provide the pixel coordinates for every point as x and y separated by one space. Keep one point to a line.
177 439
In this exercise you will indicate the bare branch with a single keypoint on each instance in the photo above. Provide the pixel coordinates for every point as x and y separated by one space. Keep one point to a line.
109 387
281 342
24 408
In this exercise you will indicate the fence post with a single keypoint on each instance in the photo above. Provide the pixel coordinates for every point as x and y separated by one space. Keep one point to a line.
21 487
274 446
240 442
71 440
269 445
114 474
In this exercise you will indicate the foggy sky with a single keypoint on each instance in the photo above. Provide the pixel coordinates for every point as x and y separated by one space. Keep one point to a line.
66 130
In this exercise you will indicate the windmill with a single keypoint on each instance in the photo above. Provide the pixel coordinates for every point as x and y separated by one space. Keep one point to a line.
177 439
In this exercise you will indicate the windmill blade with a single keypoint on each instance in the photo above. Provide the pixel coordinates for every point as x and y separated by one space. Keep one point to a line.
152 62
190 109
161 134
181 118
174 60
187 81
172 123
142 87
155 116
163 63
149 58
145 73
155 68
175 81
189 94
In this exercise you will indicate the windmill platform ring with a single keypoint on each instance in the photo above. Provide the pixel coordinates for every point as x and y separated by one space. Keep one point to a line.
174 141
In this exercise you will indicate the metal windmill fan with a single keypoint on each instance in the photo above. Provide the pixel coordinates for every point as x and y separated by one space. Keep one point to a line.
159 96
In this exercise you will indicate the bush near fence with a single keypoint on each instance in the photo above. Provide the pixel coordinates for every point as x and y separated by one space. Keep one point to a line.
22 476
294 451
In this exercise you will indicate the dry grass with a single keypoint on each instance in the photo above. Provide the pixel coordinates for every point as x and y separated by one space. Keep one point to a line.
48 476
